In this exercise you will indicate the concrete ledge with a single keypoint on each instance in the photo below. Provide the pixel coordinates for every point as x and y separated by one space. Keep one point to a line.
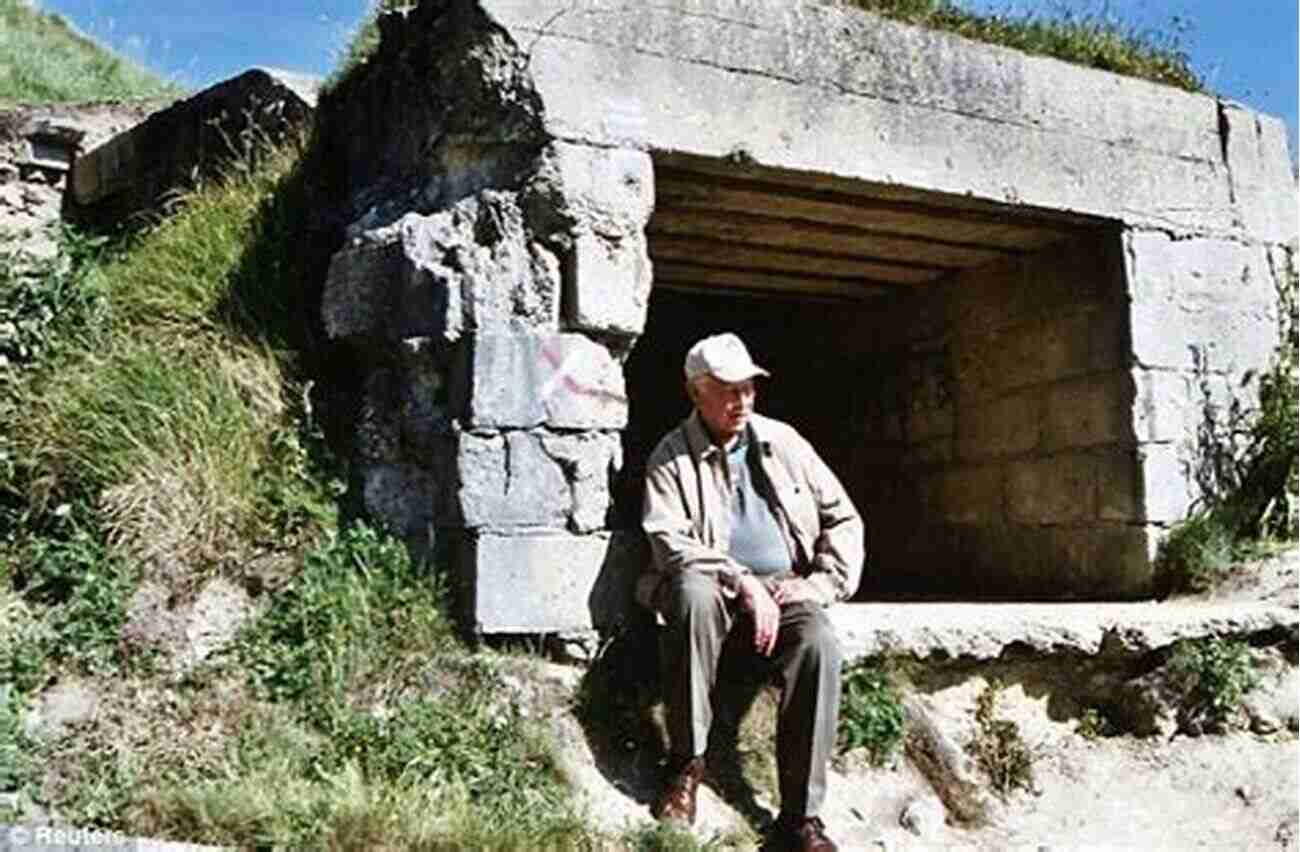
982 632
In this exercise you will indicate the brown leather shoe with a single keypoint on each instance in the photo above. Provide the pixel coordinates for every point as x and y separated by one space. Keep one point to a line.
804 834
677 801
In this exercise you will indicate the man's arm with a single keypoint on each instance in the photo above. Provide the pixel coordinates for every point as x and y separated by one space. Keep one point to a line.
839 549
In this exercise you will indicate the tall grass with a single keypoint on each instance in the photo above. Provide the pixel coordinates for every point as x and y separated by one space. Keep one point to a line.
364 41
1090 37
43 59
178 415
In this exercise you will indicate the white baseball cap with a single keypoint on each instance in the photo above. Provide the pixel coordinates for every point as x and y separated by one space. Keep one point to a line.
724 357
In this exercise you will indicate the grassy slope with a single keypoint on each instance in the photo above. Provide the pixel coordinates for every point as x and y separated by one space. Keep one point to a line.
153 424
43 59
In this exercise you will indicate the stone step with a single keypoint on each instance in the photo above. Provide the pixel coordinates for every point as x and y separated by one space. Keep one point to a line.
985 631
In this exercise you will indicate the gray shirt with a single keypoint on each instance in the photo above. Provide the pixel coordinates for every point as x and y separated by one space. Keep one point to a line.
756 539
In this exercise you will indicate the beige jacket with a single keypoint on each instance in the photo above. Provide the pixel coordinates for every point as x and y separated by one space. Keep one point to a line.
687 515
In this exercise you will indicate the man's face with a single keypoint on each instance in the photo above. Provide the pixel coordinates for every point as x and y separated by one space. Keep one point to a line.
724 406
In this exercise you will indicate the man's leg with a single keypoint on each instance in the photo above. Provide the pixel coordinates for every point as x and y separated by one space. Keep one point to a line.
808 661
690 645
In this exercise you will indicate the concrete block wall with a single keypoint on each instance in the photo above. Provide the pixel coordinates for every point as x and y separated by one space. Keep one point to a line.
490 334
1205 321
1010 438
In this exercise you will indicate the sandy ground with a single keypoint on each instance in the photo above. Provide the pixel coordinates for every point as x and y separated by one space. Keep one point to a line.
1236 791
1229 791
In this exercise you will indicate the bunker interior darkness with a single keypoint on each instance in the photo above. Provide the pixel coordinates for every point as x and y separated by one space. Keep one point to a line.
962 366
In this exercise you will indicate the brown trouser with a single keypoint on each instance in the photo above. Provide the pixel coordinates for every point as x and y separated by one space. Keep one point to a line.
806 664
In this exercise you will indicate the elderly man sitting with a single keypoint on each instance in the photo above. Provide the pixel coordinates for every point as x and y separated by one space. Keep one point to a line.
752 537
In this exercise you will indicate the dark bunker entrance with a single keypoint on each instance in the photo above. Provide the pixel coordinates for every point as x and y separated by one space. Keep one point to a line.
961 365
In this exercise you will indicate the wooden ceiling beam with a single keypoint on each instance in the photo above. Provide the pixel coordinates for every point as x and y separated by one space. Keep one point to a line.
691 189
844 240
716 252
712 277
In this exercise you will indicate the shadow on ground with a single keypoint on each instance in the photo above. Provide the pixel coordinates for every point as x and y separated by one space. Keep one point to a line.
621 711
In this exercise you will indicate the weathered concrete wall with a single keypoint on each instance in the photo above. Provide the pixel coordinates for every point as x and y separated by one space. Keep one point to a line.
485 181
1204 316
1004 421
488 284
831 90
38 145
138 170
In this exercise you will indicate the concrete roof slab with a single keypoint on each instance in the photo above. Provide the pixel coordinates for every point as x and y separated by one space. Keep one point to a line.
832 90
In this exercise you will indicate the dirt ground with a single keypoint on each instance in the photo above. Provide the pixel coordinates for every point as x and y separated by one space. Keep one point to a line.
1236 790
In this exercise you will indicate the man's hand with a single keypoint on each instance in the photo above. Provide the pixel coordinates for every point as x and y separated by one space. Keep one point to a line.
755 599
795 589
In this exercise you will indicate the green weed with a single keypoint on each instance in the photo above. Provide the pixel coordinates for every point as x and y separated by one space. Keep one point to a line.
47 302
664 837
1093 724
43 59
26 640
1211 676
184 419
358 618
385 709
998 746
69 599
1196 554
1263 498
18 754
871 714
1247 462
280 787
100 783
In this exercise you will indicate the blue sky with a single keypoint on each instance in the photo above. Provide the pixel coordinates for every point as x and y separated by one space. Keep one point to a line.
1244 49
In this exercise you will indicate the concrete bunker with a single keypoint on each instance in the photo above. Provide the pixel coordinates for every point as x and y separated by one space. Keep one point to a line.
962 365
1023 279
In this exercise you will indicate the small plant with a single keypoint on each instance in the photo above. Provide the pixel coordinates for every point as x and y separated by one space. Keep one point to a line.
46 302
1196 554
1247 464
1211 676
661 837
871 714
998 746
70 595
18 766
358 617
1093 724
